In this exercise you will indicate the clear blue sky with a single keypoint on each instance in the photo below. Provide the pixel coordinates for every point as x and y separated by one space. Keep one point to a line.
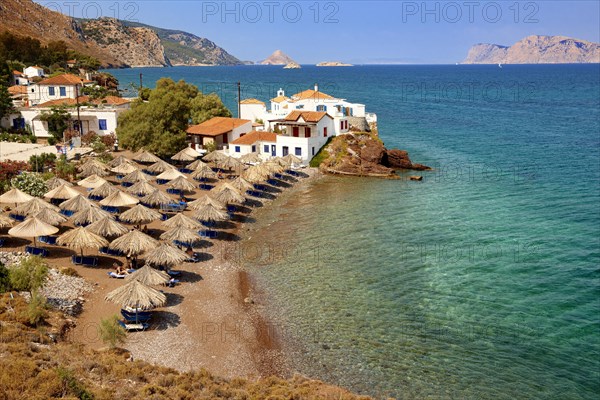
354 31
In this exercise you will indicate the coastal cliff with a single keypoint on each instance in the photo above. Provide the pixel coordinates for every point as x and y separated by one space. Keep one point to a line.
363 154
536 50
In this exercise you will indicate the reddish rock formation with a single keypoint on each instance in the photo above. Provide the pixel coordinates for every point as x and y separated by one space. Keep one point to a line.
398 159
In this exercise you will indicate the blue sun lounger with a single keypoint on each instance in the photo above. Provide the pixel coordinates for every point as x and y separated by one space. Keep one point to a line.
85 261
37 251
47 239
134 327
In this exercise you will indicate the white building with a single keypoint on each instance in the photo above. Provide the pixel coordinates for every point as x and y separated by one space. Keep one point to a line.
220 130
33 72
65 86
261 142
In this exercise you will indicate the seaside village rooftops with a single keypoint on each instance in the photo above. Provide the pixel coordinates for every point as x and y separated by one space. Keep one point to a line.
64 79
82 100
311 94
306 116
252 101
216 126
18 90
256 136
279 99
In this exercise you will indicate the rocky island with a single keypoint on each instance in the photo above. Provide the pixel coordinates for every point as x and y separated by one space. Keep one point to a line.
277 58
292 65
363 154
333 64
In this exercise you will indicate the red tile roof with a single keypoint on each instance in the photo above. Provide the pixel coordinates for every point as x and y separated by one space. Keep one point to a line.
311 94
64 102
17 73
280 99
64 79
256 136
308 116
216 126
251 101
17 90
111 100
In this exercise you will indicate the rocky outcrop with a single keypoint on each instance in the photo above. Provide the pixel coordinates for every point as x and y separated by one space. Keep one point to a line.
333 64
292 65
364 154
536 50
277 58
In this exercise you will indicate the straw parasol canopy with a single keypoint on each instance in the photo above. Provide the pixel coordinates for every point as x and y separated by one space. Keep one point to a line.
141 188
272 166
204 200
214 156
107 227
140 215
187 154
229 163
183 184
80 238
280 161
55 182
166 255
196 164
256 174
76 203
149 276
208 212
119 199
136 176
93 167
50 216
159 166
89 215
5 221
181 219
118 161
63 192
33 206
136 295
241 184
251 158
204 172
91 161
170 174
124 169
133 243
16 196
181 234
146 157
104 191
156 198
292 159
227 194
92 182
31 228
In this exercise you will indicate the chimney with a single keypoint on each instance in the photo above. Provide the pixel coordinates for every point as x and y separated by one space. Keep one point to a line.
316 87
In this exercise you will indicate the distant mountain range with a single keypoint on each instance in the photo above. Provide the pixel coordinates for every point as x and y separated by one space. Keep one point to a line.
536 50
115 43
277 58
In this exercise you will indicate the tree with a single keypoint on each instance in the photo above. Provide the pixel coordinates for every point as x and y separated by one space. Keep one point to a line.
6 104
205 107
31 183
29 274
37 309
41 162
65 169
111 332
58 121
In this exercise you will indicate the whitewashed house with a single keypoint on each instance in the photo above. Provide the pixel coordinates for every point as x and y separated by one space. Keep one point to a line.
33 72
261 142
65 86
220 130
18 78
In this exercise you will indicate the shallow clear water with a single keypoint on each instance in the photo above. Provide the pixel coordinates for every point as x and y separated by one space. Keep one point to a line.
480 282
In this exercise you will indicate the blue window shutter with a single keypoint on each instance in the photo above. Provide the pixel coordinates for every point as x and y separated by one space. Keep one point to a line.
62 90
102 124
253 148
266 148
237 149
298 151
51 90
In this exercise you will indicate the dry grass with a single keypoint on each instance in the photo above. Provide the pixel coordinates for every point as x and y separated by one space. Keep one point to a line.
37 363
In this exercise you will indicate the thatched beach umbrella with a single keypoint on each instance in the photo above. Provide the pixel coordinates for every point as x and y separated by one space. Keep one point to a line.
241 184
124 169
33 206
214 156
225 193
149 276
104 191
158 167
280 161
136 176
92 182
181 219
181 234
251 158
292 159
55 182
118 161
141 188
135 294
146 157
210 213
76 203
139 215
16 196
156 198
229 163
119 199
89 215
195 165
50 216
181 183
272 167
63 192
166 255
133 243
186 154
170 174
107 227
31 228
80 238
203 172
204 200
256 174
5 221
93 167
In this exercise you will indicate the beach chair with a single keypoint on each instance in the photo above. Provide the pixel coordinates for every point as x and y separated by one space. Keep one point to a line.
17 217
114 275
259 186
48 239
174 274
273 182
208 224
205 186
278 176
161 181
140 316
67 213
85 261
37 251
185 170
173 191
110 209
110 252
119 177
173 282
1 242
126 184
134 327
95 198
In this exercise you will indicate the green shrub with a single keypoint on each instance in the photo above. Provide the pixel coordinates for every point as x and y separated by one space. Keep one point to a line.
64 168
29 274
4 279
72 386
52 140
70 271
42 162
111 332
321 155
37 309
31 183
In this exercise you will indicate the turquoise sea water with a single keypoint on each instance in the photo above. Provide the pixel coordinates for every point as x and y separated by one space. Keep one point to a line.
480 282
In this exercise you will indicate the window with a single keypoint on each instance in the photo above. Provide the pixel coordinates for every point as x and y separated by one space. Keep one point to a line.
253 148
313 150
321 107
266 148
102 124
307 131
63 91
51 90
295 131
237 149
19 123
285 150
300 107
298 151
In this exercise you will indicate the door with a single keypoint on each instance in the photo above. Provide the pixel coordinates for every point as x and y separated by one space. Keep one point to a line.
285 151
325 132
295 131
273 150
